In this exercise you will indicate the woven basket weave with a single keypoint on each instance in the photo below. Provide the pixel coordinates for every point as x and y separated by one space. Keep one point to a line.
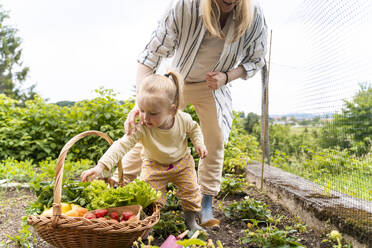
70 232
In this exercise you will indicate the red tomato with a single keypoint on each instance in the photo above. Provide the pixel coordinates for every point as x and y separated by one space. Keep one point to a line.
101 213
90 215
126 215
114 215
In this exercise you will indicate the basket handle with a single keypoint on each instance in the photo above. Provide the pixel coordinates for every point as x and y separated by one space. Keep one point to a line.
60 165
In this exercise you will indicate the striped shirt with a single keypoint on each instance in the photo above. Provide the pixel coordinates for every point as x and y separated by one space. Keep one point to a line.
180 33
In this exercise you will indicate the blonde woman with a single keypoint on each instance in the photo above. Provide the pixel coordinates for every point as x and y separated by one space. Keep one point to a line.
212 42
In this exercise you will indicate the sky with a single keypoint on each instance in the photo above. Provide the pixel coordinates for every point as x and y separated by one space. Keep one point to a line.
76 46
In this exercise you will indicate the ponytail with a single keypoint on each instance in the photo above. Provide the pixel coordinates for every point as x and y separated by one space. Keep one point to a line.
168 87
178 81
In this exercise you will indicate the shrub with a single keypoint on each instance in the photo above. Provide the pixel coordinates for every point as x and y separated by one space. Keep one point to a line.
40 130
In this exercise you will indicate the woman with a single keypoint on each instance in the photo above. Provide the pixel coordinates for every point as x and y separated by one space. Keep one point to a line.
212 42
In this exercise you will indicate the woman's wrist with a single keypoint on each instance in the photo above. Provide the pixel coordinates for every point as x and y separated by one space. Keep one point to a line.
226 77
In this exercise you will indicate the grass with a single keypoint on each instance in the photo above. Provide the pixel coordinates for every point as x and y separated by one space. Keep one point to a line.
334 170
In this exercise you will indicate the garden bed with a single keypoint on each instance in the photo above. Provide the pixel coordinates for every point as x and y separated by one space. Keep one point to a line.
320 208
13 203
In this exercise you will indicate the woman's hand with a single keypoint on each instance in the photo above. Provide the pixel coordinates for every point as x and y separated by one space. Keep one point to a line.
92 173
202 151
130 122
215 79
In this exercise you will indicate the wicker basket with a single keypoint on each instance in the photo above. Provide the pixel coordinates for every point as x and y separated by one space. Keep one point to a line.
64 231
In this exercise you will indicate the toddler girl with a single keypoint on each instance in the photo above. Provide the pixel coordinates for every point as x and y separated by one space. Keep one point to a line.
166 157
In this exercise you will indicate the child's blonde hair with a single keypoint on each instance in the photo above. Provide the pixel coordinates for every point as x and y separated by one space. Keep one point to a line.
167 86
211 17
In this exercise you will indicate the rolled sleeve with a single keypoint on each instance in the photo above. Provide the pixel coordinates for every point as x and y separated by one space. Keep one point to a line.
163 41
254 58
119 148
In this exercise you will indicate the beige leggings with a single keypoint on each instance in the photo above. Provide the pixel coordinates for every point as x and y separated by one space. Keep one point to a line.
210 168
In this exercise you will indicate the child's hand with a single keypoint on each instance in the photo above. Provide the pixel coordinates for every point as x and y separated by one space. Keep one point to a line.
90 174
202 151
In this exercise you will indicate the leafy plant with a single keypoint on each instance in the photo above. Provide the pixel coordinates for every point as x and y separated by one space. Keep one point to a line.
17 171
170 222
192 243
233 184
247 209
137 192
24 237
39 130
336 237
318 165
240 149
271 237
172 202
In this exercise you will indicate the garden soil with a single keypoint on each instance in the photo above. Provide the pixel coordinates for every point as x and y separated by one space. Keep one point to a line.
13 203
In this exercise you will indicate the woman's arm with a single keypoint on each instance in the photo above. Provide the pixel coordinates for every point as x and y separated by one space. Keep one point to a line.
142 72
256 47
162 44
164 39
130 123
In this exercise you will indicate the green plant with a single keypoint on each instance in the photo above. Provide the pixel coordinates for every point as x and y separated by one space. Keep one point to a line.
172 202
39 130
319 165
192 243
137 192
170 222
271 237
233 184
351 127
25 237
247 209
240 149
336 237
17 171
250 121
287 140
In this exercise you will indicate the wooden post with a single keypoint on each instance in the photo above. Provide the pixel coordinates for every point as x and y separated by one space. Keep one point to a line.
265 145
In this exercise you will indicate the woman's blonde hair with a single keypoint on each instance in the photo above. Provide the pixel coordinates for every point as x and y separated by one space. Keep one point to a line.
168 87
211 17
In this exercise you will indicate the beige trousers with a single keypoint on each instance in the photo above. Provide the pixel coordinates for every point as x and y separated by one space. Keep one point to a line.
210 168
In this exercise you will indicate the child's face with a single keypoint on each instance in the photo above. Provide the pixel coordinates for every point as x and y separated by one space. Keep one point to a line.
156 112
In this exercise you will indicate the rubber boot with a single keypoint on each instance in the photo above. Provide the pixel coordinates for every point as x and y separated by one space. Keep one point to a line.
206 215
190 221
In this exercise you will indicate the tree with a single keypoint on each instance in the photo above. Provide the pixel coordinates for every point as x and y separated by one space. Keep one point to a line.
12 71
250 121
352 128
65 103
356 117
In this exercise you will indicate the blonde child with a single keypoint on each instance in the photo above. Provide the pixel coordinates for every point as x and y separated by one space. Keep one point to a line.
166 157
